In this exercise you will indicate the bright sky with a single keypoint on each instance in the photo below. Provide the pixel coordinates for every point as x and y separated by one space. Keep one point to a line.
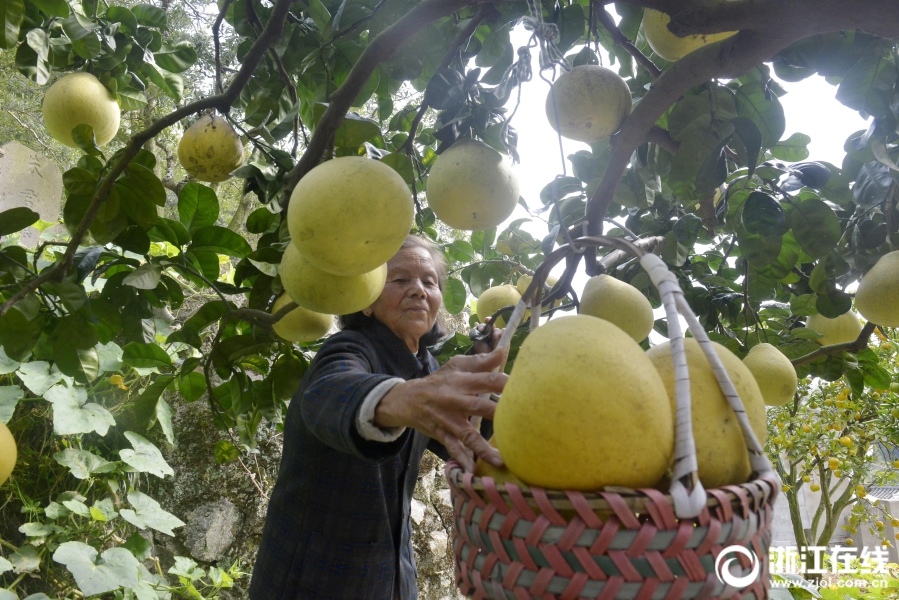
810 107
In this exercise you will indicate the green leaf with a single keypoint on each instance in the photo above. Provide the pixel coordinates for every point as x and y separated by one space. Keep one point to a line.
833 304
137 204
768 114
38 377
225 452
120 14
792 149
79 182
145 277
147 514
30 63
83 135
25 560
803 306
747 142
220 240
170 83
131 99
110 355
12 13
262 220
82 464
354 130
117 568
145 356
286 374
876 376
762 215
176 58
73 414
868 86
139 546
454 296
52 8
816 227
757 249
198 206
149 15
17 219
192 386
873 184
401 164
170 231
145 457
139 177
9 397
145 408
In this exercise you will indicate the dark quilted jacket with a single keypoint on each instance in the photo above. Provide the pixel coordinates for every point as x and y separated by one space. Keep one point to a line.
338 520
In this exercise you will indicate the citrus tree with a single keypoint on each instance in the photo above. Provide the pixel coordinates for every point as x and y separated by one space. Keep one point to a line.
761 239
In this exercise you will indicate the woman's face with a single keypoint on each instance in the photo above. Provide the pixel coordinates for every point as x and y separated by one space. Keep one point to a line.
411 297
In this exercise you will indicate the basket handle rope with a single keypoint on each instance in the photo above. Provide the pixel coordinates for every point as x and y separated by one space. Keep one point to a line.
687 492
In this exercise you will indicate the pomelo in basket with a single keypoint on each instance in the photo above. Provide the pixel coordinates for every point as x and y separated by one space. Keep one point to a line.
300 324
210 149
350 215
80 99
592 103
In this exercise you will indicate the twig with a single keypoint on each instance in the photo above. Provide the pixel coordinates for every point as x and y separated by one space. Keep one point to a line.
221 102
733 242
447 60
606 19
856 346
382 47
26 127
215 40
352 28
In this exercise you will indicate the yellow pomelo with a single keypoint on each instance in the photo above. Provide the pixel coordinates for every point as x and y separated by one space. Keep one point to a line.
350 215
494 299
844 328
592 103
525 280
877 298
471 186
619 302
483 468
8 453
720 448
580 407
210 149
773 372
80 99
322 292
300 324
669 46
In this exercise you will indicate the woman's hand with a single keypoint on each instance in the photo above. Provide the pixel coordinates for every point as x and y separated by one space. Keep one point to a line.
485 346
439 405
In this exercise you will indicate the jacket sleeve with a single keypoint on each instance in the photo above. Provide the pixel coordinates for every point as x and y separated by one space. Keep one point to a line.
339 379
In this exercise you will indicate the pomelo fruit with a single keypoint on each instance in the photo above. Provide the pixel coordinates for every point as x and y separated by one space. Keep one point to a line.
619 302
471 186
581 403
844 328
669 46
721 452
350 215
300 324
210 149
592 103
877 297
323 292
8 453
76 99
773 372
494 299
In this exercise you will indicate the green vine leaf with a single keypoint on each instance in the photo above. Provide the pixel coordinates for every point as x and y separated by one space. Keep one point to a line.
146 457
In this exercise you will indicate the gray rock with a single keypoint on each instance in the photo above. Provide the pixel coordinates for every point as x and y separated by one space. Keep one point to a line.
31 180
211 529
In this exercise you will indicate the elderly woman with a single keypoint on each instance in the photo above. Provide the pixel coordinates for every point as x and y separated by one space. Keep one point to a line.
371 402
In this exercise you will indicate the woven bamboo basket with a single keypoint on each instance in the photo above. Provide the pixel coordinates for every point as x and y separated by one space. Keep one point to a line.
513 542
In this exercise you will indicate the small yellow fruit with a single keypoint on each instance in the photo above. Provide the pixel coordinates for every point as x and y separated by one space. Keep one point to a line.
592 103
879 524
300 324
838 473
322 292
496 298
896 463
210 149
350 215
669 46
8 453
814 487
834 463
894 522
619 303
720 449
472 186
861 493
849 542
844 328
877 297
806 428
80 99
579 405
846 440
806 478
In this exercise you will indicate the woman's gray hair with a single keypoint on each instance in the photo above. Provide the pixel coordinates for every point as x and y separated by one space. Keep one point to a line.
358 320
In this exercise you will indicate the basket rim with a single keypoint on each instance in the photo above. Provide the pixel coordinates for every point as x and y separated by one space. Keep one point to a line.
759 489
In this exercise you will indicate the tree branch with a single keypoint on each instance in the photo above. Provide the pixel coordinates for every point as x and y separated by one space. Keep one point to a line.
860 343
222 102
606 19
381 48
217 44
